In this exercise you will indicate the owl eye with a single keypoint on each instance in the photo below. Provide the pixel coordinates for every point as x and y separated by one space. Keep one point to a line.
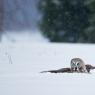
78 64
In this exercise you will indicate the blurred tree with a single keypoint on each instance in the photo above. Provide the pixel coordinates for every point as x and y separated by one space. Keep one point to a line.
91 28
20 15
64 20
1 17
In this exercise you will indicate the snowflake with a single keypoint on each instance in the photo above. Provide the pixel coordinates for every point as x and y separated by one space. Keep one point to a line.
57 2
43 3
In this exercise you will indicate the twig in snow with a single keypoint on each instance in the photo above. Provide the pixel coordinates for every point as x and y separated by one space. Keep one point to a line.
9 57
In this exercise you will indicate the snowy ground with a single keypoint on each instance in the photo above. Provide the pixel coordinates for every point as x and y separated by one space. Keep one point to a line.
23 76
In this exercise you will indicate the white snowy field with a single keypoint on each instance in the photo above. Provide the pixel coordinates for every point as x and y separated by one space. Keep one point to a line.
22 62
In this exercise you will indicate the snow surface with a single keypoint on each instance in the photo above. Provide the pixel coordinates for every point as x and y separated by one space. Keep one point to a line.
22 62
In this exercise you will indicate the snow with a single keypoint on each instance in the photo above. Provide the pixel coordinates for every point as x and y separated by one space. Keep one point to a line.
23 76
